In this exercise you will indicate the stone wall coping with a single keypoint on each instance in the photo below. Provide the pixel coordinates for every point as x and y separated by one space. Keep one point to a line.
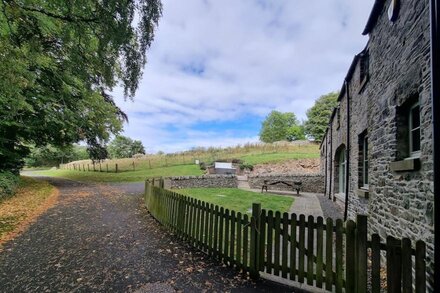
211 176
285 175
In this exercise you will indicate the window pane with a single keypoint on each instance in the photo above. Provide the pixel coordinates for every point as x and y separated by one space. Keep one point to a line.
415 116
366 173
415 135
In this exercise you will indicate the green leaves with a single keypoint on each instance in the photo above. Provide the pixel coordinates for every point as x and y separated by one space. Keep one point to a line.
125 147
319 115
280 126
58 60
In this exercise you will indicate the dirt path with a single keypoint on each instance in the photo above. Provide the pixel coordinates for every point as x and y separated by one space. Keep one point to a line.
100 238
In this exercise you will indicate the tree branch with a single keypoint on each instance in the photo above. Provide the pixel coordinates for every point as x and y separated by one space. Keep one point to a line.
68 18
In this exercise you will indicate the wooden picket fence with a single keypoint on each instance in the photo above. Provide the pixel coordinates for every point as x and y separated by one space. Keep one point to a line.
331 255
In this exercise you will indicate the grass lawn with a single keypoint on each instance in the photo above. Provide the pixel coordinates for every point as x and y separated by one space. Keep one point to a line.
277 157
239 200
31 199
127 176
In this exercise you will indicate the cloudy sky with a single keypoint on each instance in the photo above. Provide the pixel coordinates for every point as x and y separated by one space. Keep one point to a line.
218 67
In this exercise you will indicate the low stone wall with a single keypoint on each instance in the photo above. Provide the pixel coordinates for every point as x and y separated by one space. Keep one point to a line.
310 182
210 181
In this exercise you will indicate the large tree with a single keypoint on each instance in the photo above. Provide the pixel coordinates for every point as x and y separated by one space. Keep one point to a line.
318 116
280 126
58 62
125 147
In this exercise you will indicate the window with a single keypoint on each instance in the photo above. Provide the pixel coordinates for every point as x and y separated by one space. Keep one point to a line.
342 166
408 129
414 130
365 162
364 64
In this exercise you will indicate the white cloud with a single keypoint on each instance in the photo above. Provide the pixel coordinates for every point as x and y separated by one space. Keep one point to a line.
224 59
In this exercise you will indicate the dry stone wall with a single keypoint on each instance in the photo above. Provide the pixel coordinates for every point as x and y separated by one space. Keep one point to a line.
310 182
205 181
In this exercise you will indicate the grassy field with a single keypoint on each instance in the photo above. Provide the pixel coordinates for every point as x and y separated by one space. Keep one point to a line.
239 200
128 176
258 153
31 199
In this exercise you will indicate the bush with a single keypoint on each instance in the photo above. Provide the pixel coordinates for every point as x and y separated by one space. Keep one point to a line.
237 161
202 166
8 184
244 166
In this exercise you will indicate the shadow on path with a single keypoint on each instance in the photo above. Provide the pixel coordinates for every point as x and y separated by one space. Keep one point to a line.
100 238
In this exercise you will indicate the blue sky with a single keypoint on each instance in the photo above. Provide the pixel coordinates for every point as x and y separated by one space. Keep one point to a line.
218 67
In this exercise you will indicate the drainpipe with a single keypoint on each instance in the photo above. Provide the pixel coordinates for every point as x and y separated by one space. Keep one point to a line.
347 155
331 161
325 168
435 92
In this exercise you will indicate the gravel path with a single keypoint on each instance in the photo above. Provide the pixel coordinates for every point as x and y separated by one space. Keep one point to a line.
329 208
100 238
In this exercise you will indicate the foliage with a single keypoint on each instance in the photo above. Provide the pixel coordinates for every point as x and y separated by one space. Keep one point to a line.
244 166
239 200
8 184
53 156
295 132
318 116
125 147
202 166
280 126
58 60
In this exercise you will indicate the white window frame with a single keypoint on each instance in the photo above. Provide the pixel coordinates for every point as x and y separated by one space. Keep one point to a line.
342 171
365 162
413 154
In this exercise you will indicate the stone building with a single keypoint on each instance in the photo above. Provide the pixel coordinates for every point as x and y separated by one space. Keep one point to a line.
377 152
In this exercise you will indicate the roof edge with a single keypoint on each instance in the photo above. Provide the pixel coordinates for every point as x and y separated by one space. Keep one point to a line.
374 16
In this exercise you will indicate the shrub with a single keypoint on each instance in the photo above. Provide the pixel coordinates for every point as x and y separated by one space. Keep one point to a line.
202 166
8 184
244 166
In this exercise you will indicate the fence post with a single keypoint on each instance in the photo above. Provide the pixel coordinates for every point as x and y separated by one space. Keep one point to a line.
361 254
106 166
116 168
133 167
255 241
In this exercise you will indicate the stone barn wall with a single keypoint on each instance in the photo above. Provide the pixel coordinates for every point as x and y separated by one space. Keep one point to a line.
399 197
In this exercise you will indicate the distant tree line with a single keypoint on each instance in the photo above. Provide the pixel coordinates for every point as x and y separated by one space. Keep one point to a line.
49 155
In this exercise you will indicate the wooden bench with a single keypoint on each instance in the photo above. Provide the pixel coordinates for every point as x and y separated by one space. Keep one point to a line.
295 186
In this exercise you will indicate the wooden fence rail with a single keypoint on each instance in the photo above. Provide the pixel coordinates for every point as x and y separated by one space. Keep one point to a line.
331 255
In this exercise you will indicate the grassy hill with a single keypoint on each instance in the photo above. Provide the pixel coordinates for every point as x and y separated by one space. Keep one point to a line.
183 163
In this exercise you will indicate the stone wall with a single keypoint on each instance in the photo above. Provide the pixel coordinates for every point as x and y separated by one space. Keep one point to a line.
310 182
209 181
399 203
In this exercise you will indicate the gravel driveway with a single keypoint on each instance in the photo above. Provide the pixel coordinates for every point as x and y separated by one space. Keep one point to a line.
100 238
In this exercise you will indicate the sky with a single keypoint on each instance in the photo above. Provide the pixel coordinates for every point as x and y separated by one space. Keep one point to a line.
217 68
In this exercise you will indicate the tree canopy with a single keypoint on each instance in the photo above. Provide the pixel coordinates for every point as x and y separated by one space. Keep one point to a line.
318 116
281 126
58 62
52 156
125 147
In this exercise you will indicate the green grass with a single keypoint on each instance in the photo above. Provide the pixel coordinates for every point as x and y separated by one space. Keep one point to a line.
127 176
251 153
277 157
239 200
